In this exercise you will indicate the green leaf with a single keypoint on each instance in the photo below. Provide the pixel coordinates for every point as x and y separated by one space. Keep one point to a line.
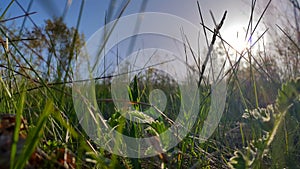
238 161
289 92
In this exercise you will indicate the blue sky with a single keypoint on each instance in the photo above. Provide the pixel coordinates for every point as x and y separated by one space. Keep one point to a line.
93 16
94 11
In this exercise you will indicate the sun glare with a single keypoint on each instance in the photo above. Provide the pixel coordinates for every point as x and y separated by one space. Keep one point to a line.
235 36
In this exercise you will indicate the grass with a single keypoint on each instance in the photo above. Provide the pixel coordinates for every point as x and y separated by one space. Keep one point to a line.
257 130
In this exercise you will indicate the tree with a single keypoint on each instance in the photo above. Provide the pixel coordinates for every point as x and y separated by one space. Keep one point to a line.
284 40
58 45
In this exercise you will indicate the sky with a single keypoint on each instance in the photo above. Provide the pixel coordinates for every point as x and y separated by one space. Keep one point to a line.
93 16
94 12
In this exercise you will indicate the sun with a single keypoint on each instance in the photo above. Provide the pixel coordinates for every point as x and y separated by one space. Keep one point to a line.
235 36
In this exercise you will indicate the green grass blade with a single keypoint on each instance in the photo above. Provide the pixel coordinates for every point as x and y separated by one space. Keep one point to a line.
34 136
17 129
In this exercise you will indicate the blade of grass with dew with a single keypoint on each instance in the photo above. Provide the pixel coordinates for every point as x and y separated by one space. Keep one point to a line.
34 136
